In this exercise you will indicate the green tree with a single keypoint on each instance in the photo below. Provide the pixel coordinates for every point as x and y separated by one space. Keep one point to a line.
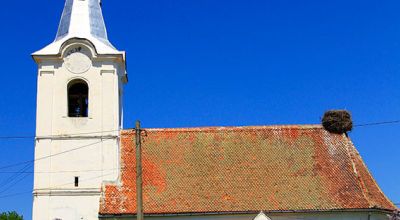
11 216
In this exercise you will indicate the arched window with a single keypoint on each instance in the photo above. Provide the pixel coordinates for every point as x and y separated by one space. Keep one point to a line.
78 99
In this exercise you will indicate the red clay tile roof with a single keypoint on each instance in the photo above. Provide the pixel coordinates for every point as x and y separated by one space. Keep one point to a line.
243 169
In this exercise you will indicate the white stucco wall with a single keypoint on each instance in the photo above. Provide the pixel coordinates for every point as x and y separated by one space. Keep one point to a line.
90 149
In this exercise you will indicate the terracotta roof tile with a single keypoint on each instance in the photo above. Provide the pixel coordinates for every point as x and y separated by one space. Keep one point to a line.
277 168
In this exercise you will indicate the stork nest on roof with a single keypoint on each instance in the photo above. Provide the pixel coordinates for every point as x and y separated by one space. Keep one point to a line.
337 121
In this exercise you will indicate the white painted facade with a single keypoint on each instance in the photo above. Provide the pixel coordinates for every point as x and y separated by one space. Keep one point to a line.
87 148
66 147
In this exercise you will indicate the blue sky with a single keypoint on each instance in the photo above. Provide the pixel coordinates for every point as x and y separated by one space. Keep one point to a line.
236 62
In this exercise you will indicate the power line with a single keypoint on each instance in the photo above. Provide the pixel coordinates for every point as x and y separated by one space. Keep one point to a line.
83 180
53 136
378 123
29 173
69 135
24 169
55 187
100 132
46 157
16 137
11 179
15 194
15 183
61 171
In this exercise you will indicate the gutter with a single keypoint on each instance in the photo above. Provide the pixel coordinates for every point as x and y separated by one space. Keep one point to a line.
374 210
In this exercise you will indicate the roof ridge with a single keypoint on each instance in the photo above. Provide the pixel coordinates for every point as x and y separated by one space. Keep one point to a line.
234 128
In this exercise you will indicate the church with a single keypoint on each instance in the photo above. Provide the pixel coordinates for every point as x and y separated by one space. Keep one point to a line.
85 162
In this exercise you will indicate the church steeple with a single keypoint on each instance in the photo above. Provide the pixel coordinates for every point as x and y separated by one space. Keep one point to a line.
81 79
81 19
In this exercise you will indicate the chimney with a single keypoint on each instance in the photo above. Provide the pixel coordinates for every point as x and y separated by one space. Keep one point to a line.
337 121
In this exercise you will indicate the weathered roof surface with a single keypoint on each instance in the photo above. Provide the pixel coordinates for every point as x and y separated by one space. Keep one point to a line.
81 19
243 169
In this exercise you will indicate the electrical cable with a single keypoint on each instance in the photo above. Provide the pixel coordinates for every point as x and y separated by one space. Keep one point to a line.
23 170
16 194
9 181
99 132
55 136
29 173
62 171
14 183
53 188
46 157
378 123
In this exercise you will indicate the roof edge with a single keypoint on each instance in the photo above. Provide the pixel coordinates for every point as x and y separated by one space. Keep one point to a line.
376 210
354 155
55 47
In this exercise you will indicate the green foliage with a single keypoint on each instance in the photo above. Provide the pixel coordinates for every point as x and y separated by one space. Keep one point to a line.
10 216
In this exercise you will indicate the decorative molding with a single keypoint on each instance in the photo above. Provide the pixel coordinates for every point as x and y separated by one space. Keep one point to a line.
78 137
67 192
102 72
46 72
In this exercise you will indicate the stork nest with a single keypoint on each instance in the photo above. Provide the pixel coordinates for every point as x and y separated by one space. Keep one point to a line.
337 121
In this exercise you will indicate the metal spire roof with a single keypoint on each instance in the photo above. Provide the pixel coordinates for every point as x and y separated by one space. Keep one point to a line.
81 19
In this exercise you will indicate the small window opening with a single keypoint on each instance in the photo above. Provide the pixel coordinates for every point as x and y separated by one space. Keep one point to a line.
76 181
78 99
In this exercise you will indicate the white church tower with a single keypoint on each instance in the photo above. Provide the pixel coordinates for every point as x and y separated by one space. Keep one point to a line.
79 115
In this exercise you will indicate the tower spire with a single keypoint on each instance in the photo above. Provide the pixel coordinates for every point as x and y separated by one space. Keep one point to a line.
82 19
